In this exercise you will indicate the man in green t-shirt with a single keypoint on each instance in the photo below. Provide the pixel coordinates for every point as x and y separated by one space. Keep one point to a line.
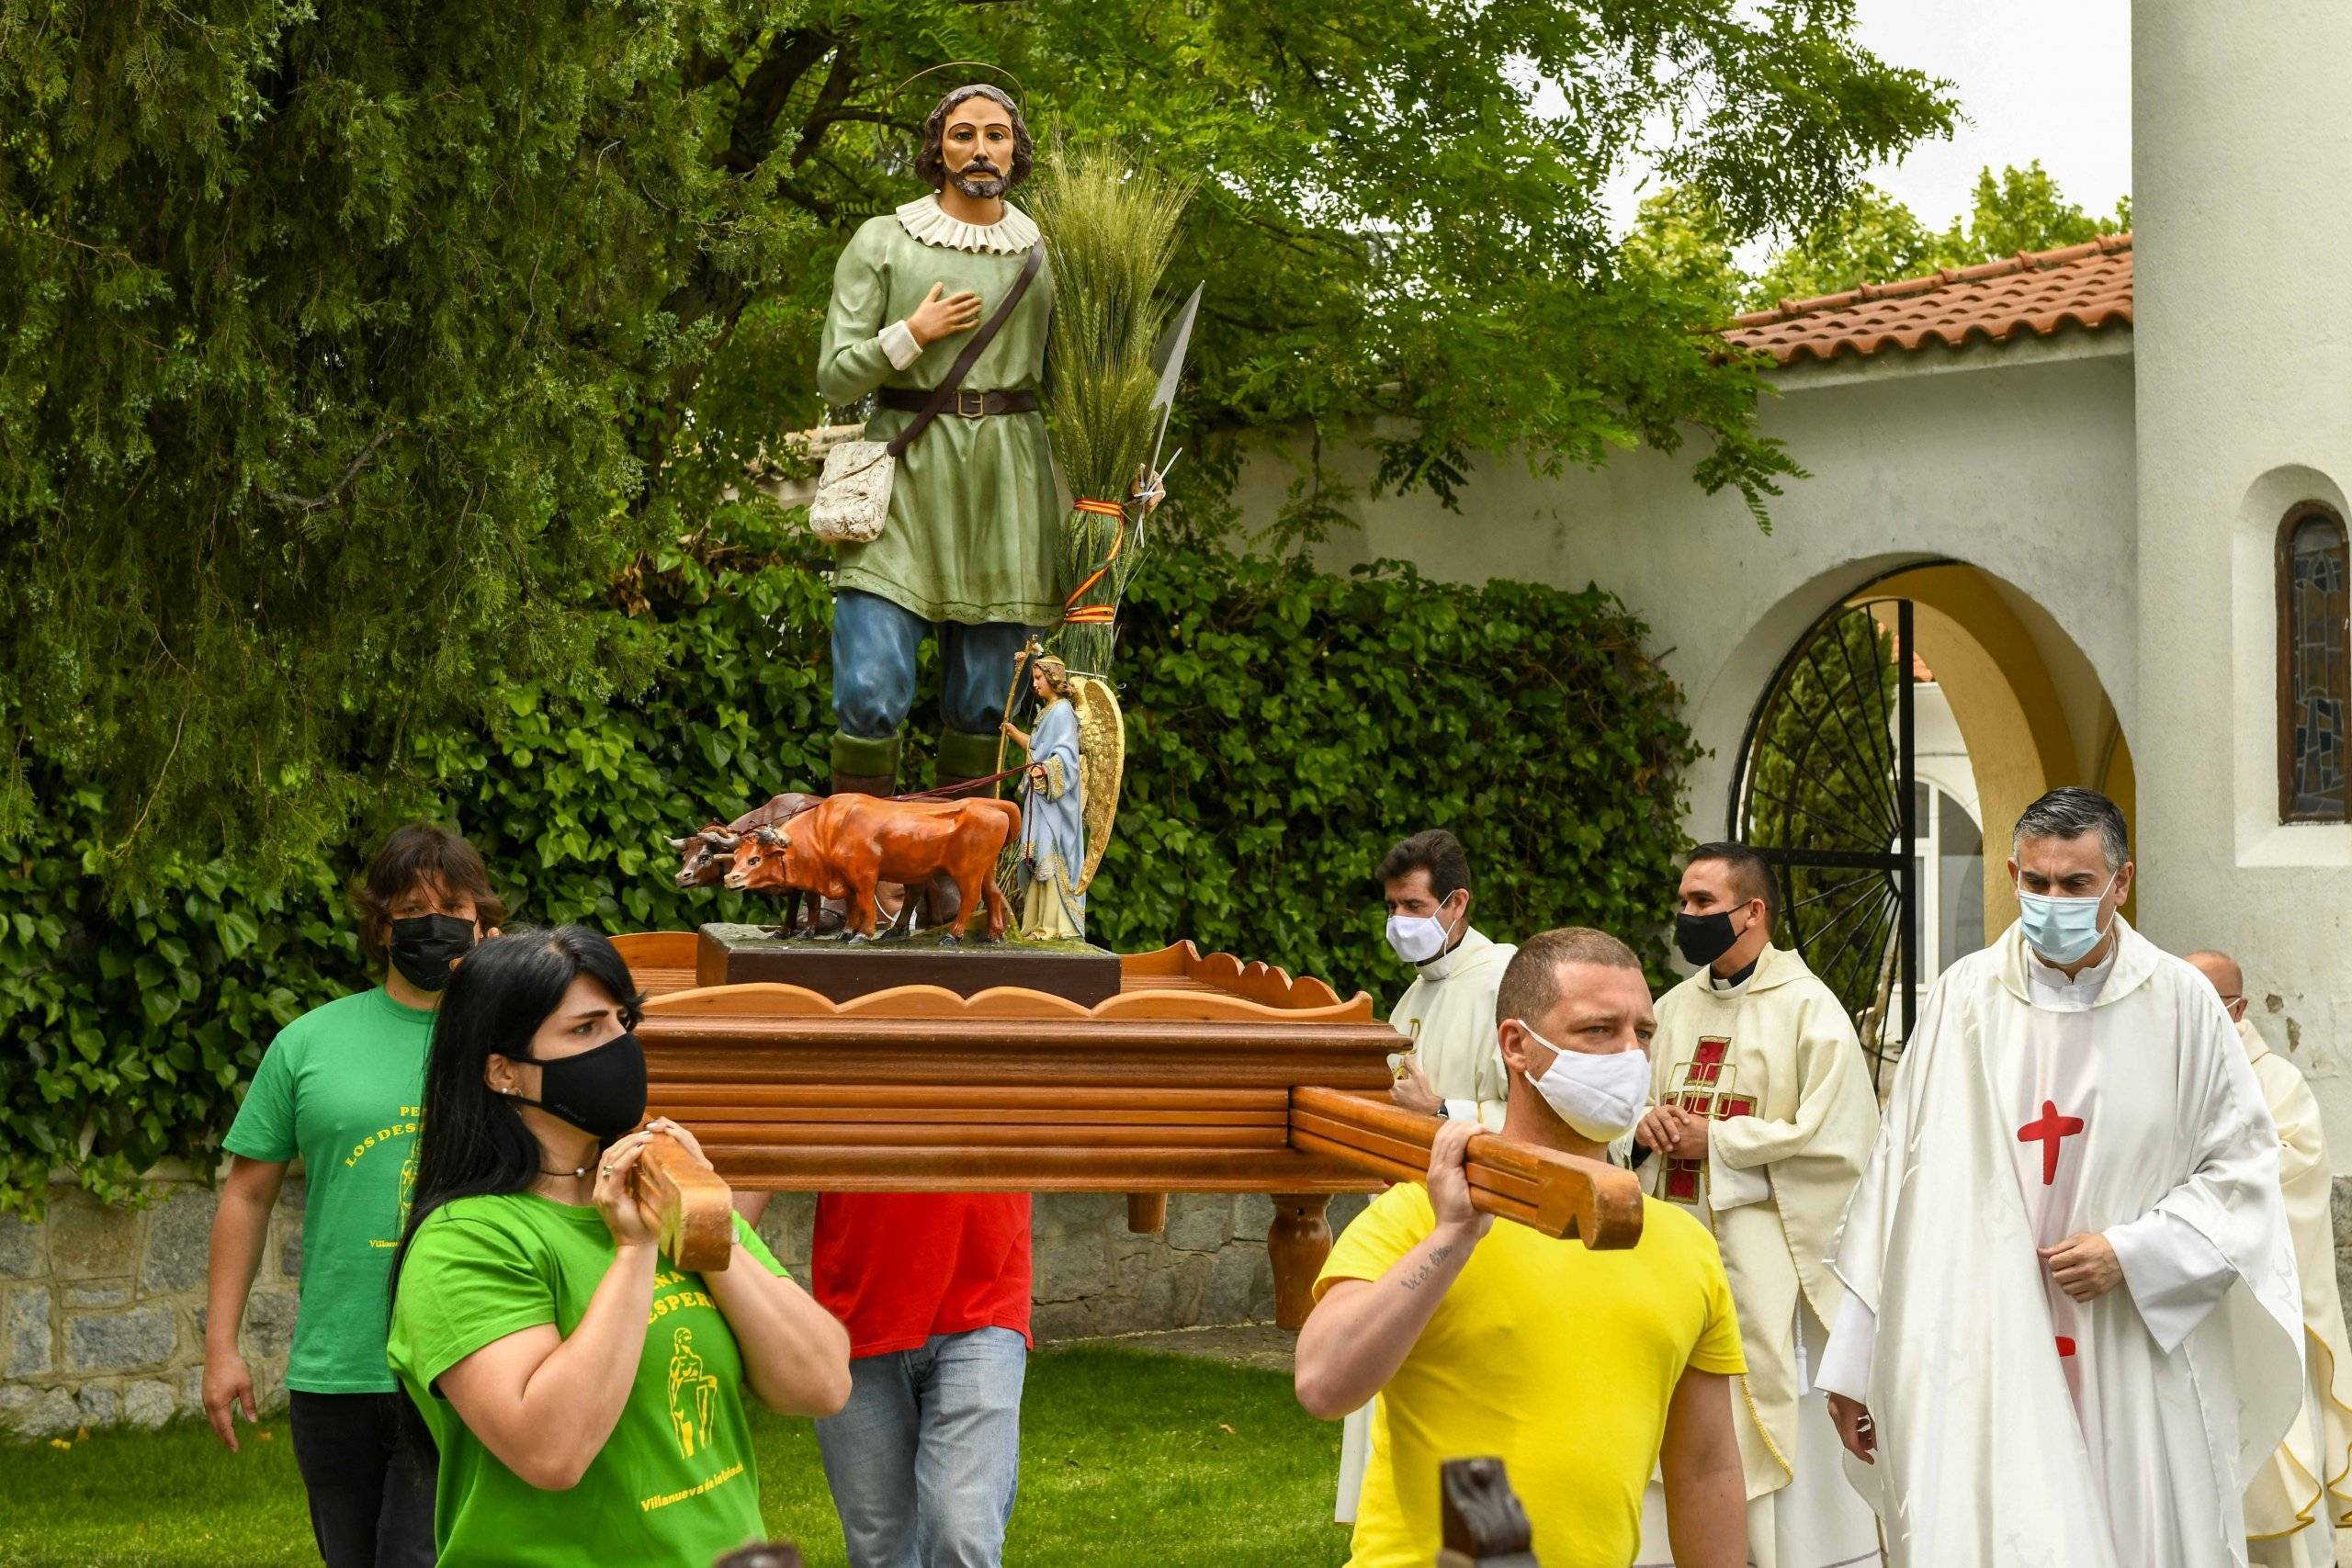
341 1089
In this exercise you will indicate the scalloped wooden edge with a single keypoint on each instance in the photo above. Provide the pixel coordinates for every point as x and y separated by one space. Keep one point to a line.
1254 992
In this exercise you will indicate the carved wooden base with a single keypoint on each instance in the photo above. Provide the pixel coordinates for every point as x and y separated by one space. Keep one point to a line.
1482 1523
841 971
1297 1242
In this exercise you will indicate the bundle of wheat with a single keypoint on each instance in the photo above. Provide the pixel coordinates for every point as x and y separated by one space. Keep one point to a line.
1109 222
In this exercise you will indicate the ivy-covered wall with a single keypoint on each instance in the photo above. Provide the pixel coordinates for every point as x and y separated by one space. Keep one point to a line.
1283 728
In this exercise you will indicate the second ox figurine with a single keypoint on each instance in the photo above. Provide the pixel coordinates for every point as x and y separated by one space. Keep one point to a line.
846 844
706 854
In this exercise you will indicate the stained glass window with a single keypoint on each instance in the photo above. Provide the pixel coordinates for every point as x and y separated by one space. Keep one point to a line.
2315 666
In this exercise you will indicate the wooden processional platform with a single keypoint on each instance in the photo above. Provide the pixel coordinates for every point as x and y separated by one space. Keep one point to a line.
1199 1075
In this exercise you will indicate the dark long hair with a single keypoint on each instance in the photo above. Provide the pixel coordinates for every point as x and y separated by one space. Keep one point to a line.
420 853
473 1141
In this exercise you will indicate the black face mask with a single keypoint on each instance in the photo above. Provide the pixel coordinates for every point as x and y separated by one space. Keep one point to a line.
1702 939
600 1091
423 946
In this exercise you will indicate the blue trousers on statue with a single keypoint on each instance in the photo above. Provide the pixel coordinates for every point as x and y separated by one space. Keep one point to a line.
875 645
926 1458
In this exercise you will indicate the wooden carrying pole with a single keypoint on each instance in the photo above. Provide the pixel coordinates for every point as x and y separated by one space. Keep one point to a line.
1557 1194
696 1212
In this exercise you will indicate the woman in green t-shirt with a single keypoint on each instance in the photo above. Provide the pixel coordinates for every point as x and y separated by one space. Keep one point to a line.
585 1393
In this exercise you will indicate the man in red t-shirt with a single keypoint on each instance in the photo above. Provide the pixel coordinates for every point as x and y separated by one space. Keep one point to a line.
924 1458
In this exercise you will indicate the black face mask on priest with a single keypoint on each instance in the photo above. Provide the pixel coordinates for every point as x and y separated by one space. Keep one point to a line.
1723 915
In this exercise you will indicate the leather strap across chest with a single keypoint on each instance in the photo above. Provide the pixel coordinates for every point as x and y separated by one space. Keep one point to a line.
946 395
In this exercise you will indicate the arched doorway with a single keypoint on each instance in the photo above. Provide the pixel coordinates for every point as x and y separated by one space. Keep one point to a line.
1884 761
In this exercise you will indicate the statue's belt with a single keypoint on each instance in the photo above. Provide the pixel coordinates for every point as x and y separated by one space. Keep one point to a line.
968 404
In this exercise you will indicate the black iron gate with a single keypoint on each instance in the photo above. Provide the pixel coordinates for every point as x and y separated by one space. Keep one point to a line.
1827 791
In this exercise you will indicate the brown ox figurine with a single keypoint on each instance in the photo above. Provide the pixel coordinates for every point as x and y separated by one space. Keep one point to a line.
706 854
845 844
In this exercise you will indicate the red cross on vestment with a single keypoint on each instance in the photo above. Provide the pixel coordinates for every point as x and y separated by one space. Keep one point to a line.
2053 1130
1704 1093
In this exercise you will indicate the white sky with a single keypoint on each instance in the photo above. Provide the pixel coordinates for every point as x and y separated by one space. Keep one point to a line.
2047 79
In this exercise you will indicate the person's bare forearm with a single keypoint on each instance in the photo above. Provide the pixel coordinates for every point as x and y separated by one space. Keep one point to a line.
795 1354
1706 1492
240 1229
1706 1516
1356 1339
573 1402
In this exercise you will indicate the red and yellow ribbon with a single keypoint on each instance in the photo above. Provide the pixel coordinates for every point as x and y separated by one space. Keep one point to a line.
1076 613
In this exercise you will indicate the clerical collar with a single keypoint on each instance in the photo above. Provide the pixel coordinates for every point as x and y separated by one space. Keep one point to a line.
927 222
2048 987
1442 966
1734 982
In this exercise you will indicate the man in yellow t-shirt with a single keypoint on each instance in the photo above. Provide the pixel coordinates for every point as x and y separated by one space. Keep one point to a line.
1580 1370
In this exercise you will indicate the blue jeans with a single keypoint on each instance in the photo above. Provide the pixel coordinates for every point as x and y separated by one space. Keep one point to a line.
875 644
926 1458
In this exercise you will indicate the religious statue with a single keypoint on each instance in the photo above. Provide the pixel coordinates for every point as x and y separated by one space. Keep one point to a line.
1053 827
967 550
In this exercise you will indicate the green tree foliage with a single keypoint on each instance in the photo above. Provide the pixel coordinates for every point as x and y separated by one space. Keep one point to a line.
1285 728
1680 241
1876 239
348 351
2021 209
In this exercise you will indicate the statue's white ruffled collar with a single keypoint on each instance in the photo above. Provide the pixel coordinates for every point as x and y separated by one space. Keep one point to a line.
1012 234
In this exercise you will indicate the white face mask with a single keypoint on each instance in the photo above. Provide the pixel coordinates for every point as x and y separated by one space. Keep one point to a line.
1601 1096
1419 939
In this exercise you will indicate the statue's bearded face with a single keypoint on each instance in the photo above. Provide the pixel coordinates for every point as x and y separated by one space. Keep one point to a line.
976 146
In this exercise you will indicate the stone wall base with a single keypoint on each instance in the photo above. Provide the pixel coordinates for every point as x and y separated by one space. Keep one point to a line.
102 1309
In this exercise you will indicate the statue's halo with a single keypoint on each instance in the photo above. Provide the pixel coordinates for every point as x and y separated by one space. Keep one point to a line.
949 64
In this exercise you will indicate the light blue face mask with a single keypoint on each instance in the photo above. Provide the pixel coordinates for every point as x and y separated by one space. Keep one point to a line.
2061 929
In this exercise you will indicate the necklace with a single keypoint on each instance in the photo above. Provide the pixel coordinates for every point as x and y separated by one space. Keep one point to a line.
582 1171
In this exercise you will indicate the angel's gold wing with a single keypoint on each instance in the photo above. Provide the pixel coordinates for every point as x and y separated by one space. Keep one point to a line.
1102 763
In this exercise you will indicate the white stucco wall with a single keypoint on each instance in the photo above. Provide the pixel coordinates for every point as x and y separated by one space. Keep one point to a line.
2016 460
2242 189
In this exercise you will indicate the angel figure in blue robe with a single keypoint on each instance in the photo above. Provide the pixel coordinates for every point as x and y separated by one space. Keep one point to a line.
1053 813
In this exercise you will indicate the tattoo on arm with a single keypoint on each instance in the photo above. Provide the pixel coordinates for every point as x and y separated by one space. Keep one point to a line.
1430 1265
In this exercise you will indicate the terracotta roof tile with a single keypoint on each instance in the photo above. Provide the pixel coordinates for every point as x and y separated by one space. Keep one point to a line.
2032 293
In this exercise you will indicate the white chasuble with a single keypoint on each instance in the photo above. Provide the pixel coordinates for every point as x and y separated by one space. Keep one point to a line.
2016 1427
1448 1013
2300 1497
1773 1064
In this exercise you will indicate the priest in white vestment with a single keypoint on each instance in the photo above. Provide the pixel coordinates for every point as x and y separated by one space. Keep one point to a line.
2072 1329
1762 1117
1452 1065
2302 1497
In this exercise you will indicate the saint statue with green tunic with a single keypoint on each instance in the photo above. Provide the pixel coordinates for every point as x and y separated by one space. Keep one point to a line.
970 550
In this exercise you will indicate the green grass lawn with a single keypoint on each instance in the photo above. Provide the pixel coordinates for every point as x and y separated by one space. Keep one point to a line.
1124 1458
